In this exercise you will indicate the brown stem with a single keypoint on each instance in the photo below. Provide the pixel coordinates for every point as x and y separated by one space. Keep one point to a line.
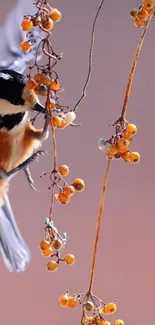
54 147
133 68
98 227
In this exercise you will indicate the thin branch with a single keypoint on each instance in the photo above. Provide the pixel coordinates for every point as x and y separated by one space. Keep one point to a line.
90 58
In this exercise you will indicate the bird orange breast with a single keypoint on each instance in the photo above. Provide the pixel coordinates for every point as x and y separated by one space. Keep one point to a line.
5 150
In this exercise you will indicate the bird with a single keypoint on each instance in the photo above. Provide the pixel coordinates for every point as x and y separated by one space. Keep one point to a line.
20 141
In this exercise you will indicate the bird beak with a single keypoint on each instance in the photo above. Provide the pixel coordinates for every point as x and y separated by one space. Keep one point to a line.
39 108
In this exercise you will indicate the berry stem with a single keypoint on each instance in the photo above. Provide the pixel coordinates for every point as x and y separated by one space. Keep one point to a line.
133 68
98 227
90 58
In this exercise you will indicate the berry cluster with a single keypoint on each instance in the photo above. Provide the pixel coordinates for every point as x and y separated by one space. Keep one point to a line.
94 309
52 245
141 15
118 145
44 19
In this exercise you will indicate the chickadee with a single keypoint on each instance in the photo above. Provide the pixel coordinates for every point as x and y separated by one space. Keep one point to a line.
19 141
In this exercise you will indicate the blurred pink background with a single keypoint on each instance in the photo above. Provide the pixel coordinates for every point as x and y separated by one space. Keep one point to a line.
126 260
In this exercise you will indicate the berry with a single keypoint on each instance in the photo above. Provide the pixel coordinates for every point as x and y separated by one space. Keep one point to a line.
127 137
72 302
55 15
36 20
148 4
79 185
46 80
142 14
69 190
131 129
69 259
123 144
47 24
55 121
89 306
55 85
101 321
27 24
109 155
125 155
102 144
63 301
133 13
57 244
47 252
117 155
51 104
44 245
42 90
52 266
139 23
109 308
70 117
63 170
31 84
62 198
113 149
134 157
118 322
63 124
38 78
25 46
90 320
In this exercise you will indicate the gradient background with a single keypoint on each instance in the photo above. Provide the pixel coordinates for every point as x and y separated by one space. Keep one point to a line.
126 261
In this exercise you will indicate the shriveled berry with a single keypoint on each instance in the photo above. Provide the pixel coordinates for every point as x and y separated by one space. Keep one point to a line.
55 15
46 80
89 306
69 259
117 155
57 243
109 156
52 266
42 90
79 185
90 320
72 302
63 301
36 20
133 13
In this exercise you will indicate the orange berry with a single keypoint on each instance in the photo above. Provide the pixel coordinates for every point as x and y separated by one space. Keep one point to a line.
142 14
63 124
113 149
57 244
51 104
72 302
55 121
131 129
123 144
134 157
148 4
38 78
124 155
127 137
44 245
25 46
47 252
55 85
55 15
63 170
69 190
101 321
133 13
52 266
63 301
69 259
31 84
26 24
90 320
46 80
118 322
139 23
89 306
109 308
62 198
42 90
109 155
79 185
47 24
36 20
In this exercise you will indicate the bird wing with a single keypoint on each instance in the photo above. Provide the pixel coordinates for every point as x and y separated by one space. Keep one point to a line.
11 35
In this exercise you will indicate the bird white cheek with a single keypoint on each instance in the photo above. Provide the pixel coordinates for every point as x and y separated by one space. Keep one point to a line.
8 108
